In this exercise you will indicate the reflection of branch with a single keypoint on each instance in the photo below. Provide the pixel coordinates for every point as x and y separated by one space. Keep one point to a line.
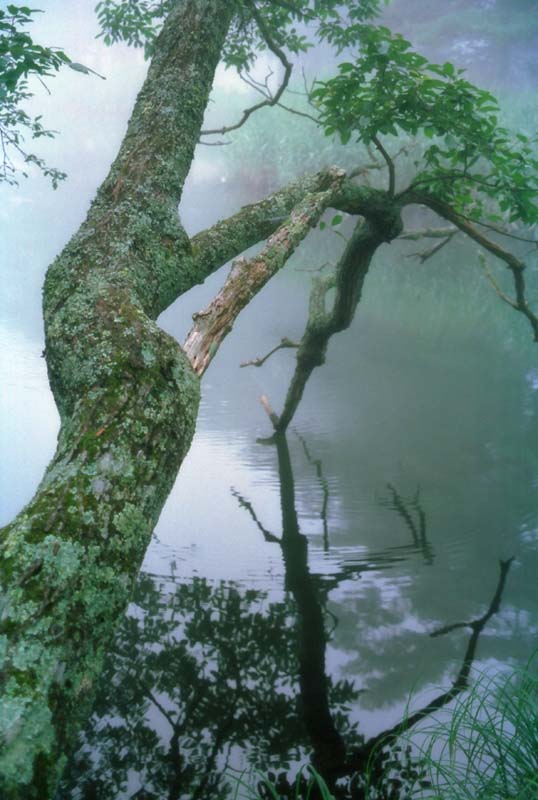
478 624
316 463
328 745
246 504
418 533
272 99
258 362
388 737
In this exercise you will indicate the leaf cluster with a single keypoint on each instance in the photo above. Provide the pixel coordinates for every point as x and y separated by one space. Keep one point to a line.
135 22
20 58
473 163
289 22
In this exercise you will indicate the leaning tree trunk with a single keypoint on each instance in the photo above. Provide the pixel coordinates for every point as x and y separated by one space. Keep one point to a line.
128 399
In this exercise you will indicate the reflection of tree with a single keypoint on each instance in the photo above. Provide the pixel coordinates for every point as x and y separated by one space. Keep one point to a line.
197 673
201 673
334 755
414 518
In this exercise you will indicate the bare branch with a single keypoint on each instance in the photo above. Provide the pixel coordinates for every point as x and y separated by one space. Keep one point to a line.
494 283
298 113
390 165
424 255
213 144
273 99
428 233
264 400
446 211
258 362
514 264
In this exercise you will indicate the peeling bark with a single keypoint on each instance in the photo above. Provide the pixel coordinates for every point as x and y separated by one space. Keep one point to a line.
247 278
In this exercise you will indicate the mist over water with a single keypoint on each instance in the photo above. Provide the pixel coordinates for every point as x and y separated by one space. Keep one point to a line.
413 453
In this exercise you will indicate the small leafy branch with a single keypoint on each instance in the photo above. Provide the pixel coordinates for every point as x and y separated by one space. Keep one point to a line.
473 163
21 58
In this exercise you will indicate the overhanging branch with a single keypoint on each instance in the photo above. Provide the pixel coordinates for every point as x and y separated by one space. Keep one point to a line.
247 277
514 264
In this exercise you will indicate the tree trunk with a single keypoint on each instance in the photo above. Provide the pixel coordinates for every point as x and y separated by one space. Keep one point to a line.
128 401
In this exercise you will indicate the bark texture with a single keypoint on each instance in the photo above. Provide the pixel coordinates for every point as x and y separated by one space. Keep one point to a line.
128 401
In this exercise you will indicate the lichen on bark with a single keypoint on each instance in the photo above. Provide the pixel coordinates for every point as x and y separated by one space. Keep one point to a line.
128 400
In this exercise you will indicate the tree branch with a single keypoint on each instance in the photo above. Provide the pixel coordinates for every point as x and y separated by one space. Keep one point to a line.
348 281
424 255
428 233
215 246
258 362
514 264
269 101
390 164
447 212
247 277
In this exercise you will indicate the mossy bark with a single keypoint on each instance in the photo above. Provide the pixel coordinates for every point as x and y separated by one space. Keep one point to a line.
128 402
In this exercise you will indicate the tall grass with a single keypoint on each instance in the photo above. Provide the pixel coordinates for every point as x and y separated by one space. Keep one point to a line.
261 787
485 747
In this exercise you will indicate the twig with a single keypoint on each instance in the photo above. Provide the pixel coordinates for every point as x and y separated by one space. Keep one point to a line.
424 255
213 144
269 101
299 113
494 283
428 233
258 362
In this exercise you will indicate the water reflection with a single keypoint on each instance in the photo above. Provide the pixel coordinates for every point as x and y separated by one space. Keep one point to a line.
209 676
